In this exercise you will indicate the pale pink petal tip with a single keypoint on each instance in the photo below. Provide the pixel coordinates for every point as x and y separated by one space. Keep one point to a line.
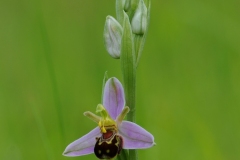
84 145
135 137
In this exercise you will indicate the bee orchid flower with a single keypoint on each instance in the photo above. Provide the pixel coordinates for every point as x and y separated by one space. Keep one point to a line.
113 133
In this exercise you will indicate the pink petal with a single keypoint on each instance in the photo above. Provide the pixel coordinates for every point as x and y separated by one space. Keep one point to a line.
83 145
113 98
134 136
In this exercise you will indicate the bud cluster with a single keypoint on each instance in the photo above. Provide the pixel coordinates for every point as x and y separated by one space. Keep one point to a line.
113 29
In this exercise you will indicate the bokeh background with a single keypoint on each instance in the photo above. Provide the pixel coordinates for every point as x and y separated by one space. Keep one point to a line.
52 62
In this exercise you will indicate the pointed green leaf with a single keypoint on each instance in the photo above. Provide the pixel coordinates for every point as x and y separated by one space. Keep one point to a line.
128 67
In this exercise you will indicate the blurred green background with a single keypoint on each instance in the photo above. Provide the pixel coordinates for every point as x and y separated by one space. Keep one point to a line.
52 62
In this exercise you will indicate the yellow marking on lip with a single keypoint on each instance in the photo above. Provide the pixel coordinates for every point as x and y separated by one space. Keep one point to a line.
106 122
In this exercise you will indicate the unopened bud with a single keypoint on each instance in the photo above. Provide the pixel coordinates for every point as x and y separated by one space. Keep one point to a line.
127 5
139 20
113 36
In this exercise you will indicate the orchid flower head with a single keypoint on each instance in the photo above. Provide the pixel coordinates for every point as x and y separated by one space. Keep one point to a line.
113 133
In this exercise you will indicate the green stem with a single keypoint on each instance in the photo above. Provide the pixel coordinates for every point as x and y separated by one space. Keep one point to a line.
128 65
132 154
131 48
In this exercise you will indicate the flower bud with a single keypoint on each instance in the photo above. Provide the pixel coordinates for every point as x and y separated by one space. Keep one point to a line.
127 5
113 36
139 20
